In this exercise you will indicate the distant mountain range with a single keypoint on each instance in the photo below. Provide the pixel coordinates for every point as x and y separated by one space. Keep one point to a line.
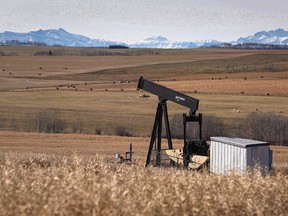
276 37
162 42
53 37
61 37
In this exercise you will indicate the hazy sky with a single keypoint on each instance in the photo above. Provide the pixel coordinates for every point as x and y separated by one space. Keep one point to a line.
133 20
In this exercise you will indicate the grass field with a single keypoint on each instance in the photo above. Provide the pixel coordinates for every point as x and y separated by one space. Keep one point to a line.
100 89
106 110
94 91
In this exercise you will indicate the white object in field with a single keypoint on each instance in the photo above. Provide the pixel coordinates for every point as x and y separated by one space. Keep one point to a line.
238 155
196 161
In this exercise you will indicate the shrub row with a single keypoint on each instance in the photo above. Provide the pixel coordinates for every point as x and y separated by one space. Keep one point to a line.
97 53
268 127
53 121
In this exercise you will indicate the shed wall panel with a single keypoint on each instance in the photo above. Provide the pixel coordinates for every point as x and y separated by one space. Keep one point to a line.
227 157
258 156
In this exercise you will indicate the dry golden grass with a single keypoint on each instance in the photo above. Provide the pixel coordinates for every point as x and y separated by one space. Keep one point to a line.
64 174
46 174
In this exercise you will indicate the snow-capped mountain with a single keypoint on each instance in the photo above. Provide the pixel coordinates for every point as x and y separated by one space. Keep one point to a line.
162 42
64 38
55 37
153 42
276 37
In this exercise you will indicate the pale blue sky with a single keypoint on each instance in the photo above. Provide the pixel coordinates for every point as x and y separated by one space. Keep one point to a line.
133 20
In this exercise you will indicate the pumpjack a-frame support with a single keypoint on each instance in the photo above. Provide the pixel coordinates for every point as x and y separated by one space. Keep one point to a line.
165 94
157 132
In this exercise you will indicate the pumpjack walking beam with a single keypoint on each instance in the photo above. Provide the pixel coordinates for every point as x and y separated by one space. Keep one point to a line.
164 94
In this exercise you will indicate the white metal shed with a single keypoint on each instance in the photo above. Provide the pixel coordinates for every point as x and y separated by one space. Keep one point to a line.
237 155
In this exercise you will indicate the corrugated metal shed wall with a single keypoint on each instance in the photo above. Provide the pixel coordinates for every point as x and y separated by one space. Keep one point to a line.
237 155
225 158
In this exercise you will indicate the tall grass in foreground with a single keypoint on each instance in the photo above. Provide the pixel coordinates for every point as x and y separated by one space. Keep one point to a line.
42 184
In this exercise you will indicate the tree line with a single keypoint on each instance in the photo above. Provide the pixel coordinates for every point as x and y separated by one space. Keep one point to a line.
20 43
257 46
268 127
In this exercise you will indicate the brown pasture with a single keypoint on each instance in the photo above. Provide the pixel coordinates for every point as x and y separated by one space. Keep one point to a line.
101 90
77 174
27 70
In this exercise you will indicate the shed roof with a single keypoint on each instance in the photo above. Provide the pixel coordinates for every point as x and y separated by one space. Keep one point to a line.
240 142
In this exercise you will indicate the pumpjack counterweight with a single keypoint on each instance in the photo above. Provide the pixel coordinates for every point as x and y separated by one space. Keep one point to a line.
165 94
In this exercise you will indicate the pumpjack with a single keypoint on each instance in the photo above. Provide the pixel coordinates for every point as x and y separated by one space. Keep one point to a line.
194 154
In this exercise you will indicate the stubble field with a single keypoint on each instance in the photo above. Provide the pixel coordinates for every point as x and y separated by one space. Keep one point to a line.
77 174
